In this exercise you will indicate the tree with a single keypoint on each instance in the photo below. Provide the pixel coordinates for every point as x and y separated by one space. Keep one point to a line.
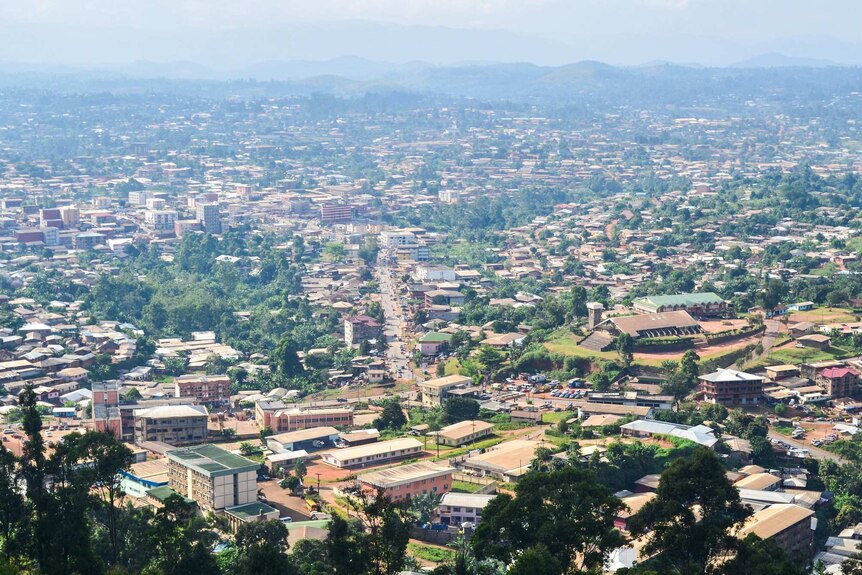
335 252
387 530
774 290
568 511
780 409
12 506
262 549
392 416
691 516
460 409
579 302
763 557
625 348
216 365
107 457
536 561
346 548
286 358
422 507
490 357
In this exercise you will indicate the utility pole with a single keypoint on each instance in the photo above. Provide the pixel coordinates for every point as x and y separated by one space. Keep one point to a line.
318 484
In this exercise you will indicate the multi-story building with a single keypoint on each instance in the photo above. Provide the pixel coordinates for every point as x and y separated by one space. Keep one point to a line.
336 213
160 220
396 238
139 197
731 387
838 381
209 218
408 481
457 508
106 413
71 216
279 417
790 526
211 390
435 391
213 477
171 424
361 327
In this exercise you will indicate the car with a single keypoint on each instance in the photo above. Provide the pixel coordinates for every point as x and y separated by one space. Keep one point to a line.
8 431
286 519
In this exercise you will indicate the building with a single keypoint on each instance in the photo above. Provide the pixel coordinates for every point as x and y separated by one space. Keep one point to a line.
463 432
433 342
700 434
249 513
213 477
171 424
280 418
594 314
396 238
838 381
665 324
443 297
458 508
706 304
730 387
336 213
373 453
306 439
361 328
508 461
435 391
408 481
209 217
105 406
759 482
71 216
790 526
160 220
816 341
213 390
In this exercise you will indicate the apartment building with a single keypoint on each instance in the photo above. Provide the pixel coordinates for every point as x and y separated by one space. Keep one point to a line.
457 508
730 387
213 390
435 391
280 418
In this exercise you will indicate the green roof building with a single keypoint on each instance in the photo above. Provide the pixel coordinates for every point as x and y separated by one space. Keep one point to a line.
213 477
704 304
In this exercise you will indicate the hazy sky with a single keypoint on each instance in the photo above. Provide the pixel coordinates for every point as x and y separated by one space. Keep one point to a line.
625 31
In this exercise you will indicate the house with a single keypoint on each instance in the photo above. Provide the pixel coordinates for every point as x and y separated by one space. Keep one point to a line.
508 461
816 341
373 453
463 432
700 434
730 387
432 343
504 340
706 304
443 297
776 372
458 508
435 391
633 503
759 481
838 381
800 329
408 481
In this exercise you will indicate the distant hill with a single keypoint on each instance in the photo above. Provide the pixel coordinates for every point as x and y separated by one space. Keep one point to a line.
776 60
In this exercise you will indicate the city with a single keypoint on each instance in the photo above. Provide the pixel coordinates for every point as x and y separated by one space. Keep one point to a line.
610 322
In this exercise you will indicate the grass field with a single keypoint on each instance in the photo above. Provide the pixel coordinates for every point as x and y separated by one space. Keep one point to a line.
485 444
556 416
790 354
430 553
465 487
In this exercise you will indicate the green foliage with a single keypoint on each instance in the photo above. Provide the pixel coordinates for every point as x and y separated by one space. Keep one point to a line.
392 416
457 409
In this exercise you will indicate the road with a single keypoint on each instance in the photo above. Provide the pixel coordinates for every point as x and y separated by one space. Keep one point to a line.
815 452
395 324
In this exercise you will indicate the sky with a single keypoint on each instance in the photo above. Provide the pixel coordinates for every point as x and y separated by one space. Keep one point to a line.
714 32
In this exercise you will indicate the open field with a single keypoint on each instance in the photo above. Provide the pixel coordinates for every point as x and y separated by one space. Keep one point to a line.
790 354
556 416
430 553
824 315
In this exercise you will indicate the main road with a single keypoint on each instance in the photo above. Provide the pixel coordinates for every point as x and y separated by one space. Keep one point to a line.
815 452
395 324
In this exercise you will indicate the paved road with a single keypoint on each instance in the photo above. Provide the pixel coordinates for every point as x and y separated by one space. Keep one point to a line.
395 323
815 452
